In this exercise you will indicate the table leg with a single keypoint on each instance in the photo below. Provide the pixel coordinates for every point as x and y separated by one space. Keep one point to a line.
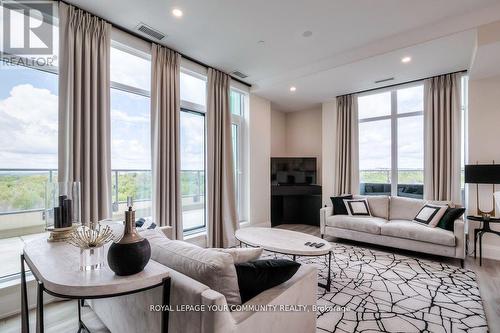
294 257
25 322
165 303
81 325
39 308
475 241
480 248
328 278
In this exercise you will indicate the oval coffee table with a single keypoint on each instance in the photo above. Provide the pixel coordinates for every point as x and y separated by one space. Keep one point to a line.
287 242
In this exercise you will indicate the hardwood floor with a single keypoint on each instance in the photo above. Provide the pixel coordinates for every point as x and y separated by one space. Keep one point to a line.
61 317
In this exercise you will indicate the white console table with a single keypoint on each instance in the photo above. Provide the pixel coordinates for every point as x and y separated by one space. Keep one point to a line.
55 267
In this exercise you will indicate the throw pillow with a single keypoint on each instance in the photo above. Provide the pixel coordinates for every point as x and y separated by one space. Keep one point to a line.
358 207
257 276
430 215
339 205
212 268
447 222
242 254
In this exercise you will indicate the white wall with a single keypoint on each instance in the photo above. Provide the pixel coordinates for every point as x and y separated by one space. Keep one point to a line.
260 156
278 133
484 147
328 112
297 134
303 135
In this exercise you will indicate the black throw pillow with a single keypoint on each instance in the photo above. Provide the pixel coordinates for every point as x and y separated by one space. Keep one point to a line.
257 276
338 204
447 222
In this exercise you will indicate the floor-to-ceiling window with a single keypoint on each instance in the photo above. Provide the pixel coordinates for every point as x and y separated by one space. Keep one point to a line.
130 72
193 150
28 138
391 142
238 100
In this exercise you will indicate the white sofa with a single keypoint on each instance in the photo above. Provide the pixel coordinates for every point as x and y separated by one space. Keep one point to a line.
131 314
391 225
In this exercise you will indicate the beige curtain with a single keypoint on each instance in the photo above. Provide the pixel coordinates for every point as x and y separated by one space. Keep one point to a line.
442 128
165 136
222 216
84 109
346 146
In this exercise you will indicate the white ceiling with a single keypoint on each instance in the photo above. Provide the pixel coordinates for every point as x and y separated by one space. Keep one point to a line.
353 43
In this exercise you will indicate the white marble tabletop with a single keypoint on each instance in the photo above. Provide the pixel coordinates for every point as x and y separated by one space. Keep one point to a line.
283 241
57 266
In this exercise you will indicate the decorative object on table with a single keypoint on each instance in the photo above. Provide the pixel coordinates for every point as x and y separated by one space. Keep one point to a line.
91 242
130 254
62 209
483 174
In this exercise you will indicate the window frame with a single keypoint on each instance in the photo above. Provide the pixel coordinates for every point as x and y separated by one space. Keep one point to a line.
241 168
197 109
393 117
131 90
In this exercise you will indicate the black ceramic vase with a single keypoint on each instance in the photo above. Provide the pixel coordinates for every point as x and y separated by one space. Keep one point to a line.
131 253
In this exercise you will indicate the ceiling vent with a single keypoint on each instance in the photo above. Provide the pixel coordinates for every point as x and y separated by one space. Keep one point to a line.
147 30
239 74
384 80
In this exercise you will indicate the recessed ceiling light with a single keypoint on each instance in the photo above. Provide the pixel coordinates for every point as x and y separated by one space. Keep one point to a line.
177 12
292 88
261 42
307 33
405 60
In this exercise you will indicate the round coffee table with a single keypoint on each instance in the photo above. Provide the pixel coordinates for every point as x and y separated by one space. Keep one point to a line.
287 242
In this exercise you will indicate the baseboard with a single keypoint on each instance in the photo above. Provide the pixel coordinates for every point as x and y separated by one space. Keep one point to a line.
10 294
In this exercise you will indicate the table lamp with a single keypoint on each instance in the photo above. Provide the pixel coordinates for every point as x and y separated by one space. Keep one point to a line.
483 174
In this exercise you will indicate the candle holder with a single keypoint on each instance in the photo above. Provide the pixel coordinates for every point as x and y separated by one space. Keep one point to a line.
62 209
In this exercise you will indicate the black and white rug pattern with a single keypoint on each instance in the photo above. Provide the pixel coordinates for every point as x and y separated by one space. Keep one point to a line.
375 291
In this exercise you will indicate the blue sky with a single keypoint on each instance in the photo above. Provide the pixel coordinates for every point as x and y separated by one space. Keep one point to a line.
28 123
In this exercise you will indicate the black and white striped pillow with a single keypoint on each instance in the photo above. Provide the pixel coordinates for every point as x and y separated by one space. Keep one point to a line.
357 207
430 215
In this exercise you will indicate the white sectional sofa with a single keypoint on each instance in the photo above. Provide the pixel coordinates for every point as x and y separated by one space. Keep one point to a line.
391 225
131 313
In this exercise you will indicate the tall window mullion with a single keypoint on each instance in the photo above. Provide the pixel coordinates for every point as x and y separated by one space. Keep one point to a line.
394 143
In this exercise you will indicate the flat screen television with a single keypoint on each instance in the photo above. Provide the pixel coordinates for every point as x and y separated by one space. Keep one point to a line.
293 171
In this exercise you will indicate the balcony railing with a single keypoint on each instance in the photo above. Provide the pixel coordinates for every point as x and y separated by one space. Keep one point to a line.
378 182
22 193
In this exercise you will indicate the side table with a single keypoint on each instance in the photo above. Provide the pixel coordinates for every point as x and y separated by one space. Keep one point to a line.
55 267
481 231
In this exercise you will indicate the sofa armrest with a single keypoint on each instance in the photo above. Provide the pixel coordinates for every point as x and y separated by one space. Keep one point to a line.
458 230
167 231
323 214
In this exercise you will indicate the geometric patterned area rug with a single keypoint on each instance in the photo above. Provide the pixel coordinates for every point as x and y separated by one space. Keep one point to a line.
375 291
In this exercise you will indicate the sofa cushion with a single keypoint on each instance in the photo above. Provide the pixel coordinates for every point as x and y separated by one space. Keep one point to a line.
257 276
364 224
338 205
419 232
357 207
379 204
404 208
212 268
242 254
447 222
430 215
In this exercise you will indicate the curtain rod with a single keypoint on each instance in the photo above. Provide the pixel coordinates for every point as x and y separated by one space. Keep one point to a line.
399 84
133 33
